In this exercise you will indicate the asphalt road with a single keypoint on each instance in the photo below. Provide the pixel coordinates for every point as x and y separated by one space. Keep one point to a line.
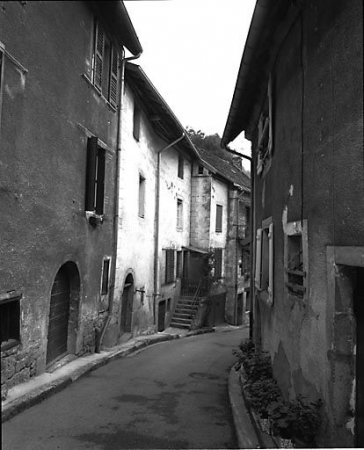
172 395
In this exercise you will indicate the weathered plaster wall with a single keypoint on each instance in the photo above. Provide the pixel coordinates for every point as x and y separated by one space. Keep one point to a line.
42 165
316 174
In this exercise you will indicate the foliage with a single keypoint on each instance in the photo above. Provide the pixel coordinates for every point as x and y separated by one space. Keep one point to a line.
296 420
207 142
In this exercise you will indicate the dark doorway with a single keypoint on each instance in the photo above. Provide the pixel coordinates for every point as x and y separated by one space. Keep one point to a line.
127 305
161 315
359 316
58 317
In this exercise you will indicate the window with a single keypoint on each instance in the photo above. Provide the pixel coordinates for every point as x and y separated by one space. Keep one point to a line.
180 166
200 170
179 214
10 319
244 264
217 263
179 264
169 266
95 177
136 121
295 258
105 66
218 227
265 134
264 261
105 276
141 196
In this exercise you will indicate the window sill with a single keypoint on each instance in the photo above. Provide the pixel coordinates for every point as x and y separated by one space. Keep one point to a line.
94 219
7 345
89 82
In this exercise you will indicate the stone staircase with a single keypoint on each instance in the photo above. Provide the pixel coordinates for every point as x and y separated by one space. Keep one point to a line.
184 312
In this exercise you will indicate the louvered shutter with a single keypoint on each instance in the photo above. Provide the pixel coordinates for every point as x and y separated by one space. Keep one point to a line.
218 218
169 265
92 145
99 55
100 182
113 85
218 263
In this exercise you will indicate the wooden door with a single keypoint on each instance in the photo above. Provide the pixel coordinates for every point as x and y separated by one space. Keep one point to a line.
127 306
58 317
161 315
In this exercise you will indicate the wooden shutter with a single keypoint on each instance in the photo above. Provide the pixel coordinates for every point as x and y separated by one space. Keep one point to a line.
218 218
258 258
113 85
218 263
100 181
92 146
169 265
99 56
271 263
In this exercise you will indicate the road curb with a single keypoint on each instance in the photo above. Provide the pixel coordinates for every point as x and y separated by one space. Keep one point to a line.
47 389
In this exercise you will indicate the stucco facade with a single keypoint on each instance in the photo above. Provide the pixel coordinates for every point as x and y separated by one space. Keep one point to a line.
50 108
309 210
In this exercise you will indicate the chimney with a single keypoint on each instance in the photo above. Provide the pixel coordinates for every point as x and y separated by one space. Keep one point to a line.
237 162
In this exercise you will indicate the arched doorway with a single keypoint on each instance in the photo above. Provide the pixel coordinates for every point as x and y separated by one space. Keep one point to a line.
63 313
127 305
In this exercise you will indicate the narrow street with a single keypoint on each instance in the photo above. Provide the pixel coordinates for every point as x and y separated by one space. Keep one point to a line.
171 395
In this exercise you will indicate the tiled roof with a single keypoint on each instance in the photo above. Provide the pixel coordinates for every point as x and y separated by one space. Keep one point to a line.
222 161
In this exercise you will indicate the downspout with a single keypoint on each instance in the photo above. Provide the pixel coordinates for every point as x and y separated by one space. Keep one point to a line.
101 333
156 223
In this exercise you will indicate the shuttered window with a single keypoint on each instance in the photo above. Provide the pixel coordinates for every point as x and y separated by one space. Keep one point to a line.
179 214
95 177
106 66
218 263
169 266
218 218
141 196
136 121
180 166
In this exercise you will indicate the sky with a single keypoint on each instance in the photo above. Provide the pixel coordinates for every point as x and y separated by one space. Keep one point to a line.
192 51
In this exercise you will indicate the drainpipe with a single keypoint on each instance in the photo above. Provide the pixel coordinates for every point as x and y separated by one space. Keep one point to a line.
100 334
156 222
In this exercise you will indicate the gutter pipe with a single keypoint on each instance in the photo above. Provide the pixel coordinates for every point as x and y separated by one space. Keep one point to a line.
156 223
101 333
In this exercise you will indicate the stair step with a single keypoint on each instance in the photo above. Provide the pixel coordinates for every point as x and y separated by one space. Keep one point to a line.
179 325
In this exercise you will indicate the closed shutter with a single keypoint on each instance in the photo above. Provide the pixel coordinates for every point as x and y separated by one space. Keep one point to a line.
169 265
258 258
100 181
92 145
218 262
99 55
218 218
113 86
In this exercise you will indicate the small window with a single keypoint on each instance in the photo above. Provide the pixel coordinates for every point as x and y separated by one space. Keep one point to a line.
217 263
179 214
179 264
141 196
169 278
200 170
10 320
105 66
180 166
95 177
218 219
105 276
136 122
264 261
294 258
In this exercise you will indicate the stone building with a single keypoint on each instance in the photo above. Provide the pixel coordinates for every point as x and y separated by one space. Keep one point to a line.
299 100
59 137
